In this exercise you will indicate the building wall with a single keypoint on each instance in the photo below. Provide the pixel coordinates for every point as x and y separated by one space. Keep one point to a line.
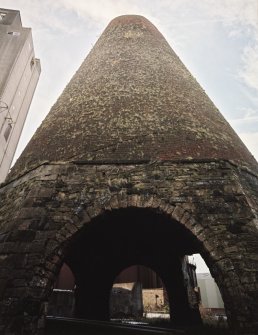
19 74
210 294
126 300
154 300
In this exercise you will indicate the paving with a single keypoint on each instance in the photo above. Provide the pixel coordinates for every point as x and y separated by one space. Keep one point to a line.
67 326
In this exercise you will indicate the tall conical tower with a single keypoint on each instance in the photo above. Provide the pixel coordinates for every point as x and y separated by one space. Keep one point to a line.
132 99
132 145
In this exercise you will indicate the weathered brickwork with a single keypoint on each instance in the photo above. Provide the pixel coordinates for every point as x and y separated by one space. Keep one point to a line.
154 300
132 139
51 204
133 99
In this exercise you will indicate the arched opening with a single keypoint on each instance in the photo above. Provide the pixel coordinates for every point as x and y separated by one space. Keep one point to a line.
61 301
118 239
211 306
139 296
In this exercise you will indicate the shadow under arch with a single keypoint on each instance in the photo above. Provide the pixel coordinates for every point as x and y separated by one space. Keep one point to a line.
87 215
119 238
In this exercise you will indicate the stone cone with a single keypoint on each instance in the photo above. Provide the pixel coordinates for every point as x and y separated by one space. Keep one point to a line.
133 100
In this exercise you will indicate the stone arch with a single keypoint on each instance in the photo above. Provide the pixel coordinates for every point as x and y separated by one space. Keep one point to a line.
149 279
185 216
183 212
83 277
86 213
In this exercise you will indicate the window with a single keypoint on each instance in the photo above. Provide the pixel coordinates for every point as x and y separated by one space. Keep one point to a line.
7 131
32 62
2 16
14 33
3 106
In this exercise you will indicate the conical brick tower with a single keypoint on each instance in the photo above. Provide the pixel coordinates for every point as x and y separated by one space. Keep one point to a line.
133 135
132 99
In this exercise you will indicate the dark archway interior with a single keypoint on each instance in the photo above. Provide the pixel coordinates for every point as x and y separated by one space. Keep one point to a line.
148 278
121 238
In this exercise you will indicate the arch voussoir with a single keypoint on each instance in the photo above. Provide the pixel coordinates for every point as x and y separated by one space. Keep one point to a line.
122 199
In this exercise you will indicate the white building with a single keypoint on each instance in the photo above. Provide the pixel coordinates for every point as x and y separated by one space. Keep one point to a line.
19 74
210 294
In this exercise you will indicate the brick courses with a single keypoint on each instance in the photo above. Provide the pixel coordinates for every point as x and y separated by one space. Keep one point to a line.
132 129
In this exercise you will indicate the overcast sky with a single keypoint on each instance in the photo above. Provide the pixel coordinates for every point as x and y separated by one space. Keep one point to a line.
217 40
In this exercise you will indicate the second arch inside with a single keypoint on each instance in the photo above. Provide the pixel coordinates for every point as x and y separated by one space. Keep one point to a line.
122 238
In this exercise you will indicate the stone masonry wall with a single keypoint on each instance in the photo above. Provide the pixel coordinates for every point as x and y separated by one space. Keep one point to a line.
42 211
153 300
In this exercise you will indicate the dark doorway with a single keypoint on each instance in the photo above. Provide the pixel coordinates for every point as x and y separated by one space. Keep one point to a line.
119 239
